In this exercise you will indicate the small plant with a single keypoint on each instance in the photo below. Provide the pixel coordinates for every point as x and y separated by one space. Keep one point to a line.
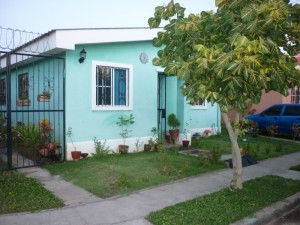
138 145
185 130
216 154
253 128
173 121
124 123
296 131
47 93
207 133
70 134
153 140
203 159
272 130
100 149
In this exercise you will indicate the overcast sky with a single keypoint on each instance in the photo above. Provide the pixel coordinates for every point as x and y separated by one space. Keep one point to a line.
41 16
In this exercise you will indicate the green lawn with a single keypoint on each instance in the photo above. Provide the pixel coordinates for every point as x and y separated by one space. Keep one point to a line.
296 168
225 207
261 147
120 174
19 194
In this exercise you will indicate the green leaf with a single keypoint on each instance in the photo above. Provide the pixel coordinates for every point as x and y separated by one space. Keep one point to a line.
157 42
156 61
171 69
154 22
184 72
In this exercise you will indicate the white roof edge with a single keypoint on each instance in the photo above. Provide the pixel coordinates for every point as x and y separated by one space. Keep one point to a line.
67 39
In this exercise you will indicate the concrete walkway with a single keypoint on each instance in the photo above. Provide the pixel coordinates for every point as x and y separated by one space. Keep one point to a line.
131 209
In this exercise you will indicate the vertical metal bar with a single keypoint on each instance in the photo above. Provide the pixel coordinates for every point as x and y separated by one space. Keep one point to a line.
64 111
8 106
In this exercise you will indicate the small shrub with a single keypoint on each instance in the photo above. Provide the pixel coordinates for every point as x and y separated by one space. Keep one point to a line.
296 131
296 168
253 128
272 130
100 149
203 159
216 154
138 145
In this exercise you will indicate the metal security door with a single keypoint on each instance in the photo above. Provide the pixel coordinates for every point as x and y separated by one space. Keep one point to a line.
32 118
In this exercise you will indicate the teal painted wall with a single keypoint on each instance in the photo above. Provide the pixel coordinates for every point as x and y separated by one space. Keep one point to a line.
87 123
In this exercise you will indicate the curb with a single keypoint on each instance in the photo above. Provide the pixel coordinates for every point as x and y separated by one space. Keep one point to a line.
270 213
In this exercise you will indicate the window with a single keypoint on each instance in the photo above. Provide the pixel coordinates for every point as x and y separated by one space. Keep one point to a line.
23 86
273 111
292 110
199 105
295 95
112 86
2 92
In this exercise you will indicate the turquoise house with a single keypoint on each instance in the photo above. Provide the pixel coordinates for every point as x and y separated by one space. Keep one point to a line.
108 73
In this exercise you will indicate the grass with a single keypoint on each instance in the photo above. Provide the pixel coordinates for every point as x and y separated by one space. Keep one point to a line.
261 147
296 168
225 207
120 174
19 194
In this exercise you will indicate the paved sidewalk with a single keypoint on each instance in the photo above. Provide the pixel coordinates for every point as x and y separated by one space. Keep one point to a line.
132 208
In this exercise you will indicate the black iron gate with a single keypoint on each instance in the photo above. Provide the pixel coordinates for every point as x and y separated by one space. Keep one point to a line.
161 107
32 118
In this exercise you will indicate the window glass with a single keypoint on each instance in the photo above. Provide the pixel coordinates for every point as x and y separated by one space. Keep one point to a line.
2 92
112 86
292 110
273 111
23 86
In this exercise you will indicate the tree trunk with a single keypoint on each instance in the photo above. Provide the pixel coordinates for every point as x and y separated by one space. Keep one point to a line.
236 182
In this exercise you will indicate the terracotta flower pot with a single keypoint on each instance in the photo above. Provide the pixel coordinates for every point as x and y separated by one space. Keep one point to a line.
76 155
147 147
174 135
185 143
123 149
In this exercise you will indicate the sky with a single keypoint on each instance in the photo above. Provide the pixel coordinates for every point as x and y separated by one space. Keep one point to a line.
41 16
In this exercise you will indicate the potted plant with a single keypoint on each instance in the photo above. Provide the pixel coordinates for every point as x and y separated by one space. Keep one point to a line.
23 100
75 154
152 143
174 123
124 123
46 144
45 96
185 142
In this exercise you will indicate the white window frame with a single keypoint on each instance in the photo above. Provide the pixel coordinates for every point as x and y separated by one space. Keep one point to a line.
129 86
198 106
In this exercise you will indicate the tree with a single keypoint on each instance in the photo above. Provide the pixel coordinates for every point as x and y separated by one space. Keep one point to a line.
230 56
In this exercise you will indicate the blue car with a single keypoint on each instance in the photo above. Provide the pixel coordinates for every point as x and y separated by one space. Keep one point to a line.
281 115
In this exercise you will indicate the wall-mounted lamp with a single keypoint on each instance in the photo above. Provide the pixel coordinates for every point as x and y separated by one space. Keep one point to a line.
82 56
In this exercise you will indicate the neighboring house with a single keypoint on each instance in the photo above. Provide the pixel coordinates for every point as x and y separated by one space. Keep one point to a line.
115 78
